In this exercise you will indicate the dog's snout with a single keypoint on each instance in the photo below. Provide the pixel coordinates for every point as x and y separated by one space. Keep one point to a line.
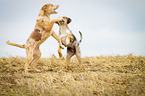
68 20
60 22
57 6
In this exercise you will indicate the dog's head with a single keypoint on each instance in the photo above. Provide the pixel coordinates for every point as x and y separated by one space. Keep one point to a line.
48 9
65 21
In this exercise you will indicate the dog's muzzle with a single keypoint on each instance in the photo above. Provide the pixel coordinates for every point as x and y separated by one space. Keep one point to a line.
68 20
60 22
63 21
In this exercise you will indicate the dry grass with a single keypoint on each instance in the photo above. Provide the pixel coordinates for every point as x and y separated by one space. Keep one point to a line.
101 76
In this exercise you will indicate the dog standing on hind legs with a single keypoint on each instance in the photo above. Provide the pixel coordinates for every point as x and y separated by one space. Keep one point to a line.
43 29
69 41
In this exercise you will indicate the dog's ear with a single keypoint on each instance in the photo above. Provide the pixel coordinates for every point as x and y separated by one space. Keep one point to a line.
44 7
68 20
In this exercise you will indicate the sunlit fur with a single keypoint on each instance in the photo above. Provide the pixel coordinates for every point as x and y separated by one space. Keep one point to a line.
43 29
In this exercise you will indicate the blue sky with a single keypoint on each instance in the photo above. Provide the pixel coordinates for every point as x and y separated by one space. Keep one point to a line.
109 27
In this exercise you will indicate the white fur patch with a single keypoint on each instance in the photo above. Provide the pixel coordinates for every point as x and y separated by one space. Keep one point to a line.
67 41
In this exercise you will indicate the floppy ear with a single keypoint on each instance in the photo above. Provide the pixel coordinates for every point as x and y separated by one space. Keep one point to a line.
44 7
68 20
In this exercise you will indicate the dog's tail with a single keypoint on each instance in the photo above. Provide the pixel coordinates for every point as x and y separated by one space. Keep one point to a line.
13 44
80 37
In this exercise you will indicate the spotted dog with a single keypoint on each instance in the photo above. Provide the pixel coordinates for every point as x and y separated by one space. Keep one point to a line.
69 41
43 29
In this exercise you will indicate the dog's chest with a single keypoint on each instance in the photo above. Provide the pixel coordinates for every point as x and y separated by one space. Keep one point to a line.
63 31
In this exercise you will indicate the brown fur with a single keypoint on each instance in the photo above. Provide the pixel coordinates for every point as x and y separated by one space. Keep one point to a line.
36 35
70 37
43 29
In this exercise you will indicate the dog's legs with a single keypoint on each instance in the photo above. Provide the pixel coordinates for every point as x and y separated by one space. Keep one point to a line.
68 57
26 66
29 61
79 59
29 58
32 65
36 56
32 56
60 54
57 38
78 55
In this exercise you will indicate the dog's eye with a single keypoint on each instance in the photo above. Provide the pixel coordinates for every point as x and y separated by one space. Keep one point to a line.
62 21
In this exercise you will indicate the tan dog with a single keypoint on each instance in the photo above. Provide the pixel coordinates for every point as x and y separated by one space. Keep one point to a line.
43 29
69 41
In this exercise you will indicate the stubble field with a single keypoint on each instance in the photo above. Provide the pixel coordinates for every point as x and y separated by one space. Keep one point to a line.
100 76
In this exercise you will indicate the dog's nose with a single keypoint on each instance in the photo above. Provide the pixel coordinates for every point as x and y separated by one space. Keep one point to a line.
68 20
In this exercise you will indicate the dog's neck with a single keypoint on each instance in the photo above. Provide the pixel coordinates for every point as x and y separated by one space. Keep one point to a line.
44 18
63 31
42 15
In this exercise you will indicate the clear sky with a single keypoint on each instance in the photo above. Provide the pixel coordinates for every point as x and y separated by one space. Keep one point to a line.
109 27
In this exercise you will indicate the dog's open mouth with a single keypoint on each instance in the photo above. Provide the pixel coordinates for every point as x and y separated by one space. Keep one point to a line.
56 7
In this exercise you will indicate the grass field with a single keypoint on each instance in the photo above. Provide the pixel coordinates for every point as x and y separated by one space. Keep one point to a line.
100 76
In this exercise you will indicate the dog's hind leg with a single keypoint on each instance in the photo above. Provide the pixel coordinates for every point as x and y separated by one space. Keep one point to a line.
32 56
32 65
68 57
36 56
28 61
70 53
78 55
29 58
60 54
